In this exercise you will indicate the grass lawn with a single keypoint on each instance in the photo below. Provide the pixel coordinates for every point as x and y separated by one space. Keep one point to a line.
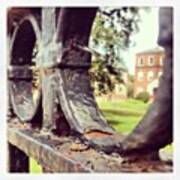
122 115
35 168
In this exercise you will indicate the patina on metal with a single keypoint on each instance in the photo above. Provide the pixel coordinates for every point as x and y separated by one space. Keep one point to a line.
75 93
62 60
24 97
67 154
66 80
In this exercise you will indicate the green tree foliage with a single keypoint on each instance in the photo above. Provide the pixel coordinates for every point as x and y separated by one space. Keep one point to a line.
130 87
130 90
143 96
110 35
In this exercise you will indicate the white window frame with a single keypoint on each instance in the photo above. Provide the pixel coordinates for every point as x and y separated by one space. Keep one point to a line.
160 74
149 60
150 75
140 61
161 60
140 75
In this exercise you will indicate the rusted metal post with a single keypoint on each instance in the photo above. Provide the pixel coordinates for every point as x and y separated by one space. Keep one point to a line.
49 95
18 161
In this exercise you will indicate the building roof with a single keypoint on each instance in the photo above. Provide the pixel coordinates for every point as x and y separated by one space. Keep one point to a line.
154 50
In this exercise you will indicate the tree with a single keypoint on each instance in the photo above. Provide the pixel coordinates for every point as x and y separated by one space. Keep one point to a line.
110 35
143 96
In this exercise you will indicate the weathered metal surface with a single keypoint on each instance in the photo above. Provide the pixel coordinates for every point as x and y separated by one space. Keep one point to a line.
18 161
68 154
16 14
65 78
20 73
53 117
72 79
155 130
24 96
68 102
49 45
49 94
75 93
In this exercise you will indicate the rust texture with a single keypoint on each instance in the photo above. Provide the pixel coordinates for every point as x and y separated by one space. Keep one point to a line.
54 44
73 80
68 154
24 101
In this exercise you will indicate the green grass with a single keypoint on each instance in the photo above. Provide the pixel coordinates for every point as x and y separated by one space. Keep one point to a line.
35 168
131 105
168 149
122 115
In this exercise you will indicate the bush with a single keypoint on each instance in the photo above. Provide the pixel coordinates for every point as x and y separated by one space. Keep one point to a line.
143 96
130 91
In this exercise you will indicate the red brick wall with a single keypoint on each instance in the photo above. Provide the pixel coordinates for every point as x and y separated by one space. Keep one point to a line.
145 68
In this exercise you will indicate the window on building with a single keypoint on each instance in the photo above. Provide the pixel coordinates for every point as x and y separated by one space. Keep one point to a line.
151 60
140 61
150 75
160 74
140 76
161 60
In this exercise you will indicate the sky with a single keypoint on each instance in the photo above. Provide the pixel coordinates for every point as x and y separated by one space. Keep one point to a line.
145 39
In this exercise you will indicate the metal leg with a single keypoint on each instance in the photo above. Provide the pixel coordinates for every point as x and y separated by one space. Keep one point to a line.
18 161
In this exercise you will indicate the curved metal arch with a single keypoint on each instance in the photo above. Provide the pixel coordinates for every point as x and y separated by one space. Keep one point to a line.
76 95
71 82
25 35
75 92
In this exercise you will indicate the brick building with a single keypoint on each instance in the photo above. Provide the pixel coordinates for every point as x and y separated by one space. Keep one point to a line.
148 69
